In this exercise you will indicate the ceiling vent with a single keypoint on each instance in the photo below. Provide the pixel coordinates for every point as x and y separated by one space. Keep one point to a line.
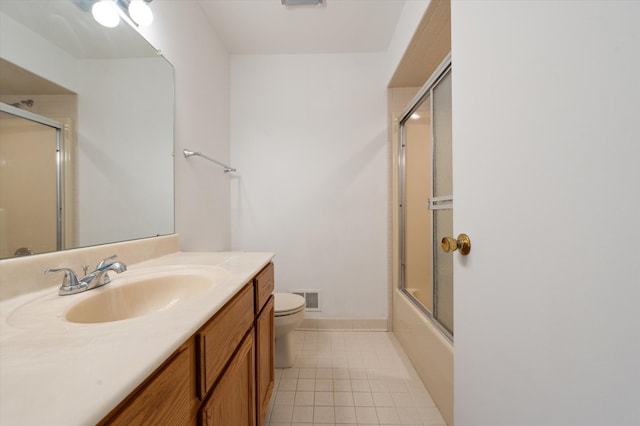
302 2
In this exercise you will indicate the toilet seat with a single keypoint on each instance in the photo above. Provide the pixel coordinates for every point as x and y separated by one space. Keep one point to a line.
288 304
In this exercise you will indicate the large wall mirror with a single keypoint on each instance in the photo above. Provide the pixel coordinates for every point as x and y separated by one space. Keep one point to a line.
86 130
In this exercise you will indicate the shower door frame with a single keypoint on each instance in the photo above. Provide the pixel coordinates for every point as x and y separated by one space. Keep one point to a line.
59 127
426 91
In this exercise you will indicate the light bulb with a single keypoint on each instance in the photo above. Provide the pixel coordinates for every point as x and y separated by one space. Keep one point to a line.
415 116
140 12
105 12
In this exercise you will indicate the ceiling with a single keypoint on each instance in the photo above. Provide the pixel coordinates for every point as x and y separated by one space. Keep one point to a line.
338 26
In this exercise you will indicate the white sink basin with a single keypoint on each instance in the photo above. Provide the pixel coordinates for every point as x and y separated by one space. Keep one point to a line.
132 294
140 297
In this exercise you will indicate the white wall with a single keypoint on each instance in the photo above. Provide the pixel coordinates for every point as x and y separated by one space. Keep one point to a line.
123 157
546 103
308 136
309 141
181 31
410 17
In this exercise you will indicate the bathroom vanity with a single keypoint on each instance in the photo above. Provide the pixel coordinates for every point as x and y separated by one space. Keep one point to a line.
208 360
233 375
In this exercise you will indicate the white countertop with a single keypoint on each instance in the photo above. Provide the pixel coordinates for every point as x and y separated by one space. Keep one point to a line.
55 372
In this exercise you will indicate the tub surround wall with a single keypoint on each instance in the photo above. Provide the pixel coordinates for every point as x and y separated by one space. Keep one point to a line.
430 352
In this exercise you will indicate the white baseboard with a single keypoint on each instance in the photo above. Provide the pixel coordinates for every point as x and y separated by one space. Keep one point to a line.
343 324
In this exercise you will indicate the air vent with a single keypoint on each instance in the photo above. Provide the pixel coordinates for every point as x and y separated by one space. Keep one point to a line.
302 2
311 297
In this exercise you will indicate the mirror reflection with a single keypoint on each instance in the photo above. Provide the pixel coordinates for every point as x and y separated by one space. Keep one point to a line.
86 130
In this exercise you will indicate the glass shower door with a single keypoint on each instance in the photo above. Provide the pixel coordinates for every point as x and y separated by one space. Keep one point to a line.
426 200
441 202
30 205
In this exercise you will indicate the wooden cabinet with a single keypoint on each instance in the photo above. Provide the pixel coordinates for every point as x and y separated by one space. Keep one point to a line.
173 381
265 340
232 401
218 339
265 359
264 284
222 375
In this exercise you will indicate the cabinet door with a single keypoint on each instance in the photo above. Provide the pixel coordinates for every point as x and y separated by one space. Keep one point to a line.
167 398
221 336
233 399
265 358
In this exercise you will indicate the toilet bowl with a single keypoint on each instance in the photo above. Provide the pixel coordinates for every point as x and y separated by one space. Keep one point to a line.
289 313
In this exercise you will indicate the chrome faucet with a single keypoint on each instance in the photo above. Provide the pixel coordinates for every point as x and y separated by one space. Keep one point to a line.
98 277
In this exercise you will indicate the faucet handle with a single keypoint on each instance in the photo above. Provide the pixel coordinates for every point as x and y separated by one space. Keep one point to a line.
70 283
102 262
70 277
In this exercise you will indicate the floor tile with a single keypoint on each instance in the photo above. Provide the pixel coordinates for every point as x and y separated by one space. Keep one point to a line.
366 415
323 414
304 398
350 378
387 415
302 414
345 415
324 398
343 399
362 399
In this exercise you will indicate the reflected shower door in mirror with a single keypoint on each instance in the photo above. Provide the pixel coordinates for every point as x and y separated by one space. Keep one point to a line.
30 176
117 93
426 200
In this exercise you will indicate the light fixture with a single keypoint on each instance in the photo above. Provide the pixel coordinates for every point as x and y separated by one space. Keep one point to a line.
108 12
415 116
140 12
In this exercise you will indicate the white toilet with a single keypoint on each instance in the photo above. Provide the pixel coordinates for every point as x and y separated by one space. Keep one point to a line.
289 313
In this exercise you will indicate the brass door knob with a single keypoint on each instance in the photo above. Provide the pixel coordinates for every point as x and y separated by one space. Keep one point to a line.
463 243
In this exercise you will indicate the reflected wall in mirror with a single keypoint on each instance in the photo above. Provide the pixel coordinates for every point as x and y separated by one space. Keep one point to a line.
113 94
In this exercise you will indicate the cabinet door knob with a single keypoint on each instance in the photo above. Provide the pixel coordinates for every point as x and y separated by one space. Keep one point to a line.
450 244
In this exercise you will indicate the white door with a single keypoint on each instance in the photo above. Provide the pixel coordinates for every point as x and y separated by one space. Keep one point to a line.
546 154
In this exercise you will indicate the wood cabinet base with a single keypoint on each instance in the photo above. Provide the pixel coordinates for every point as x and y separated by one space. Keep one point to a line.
223 375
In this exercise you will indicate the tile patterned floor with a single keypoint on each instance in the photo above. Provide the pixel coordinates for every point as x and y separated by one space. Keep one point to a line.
353 378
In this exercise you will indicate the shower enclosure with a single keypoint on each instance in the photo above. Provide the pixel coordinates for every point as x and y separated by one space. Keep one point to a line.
32 205
426 200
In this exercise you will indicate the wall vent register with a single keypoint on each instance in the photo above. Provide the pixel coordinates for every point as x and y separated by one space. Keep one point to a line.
311 298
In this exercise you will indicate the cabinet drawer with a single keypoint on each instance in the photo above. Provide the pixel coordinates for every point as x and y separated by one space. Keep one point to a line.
264 286
219 338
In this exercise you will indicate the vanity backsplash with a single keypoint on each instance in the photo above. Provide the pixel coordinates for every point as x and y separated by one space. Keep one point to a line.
22 275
